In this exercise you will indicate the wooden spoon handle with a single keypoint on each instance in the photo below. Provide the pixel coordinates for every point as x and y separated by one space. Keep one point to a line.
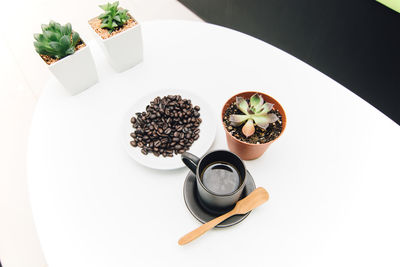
204 228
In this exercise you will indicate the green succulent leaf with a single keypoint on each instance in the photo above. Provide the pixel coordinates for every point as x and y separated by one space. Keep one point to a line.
38 47
256 101
70 51
272 117
44 27
265 108
38 37
65 41
237 120
113 17
102 16
75 38
55 45
261 121
242 105
105 7
49 35
115 4
56 41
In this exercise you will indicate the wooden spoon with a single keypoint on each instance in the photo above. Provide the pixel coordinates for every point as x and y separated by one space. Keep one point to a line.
252 201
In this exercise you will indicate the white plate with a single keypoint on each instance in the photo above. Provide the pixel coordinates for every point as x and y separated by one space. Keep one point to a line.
198 148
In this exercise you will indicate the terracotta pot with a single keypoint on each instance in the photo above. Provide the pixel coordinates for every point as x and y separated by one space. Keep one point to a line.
245 150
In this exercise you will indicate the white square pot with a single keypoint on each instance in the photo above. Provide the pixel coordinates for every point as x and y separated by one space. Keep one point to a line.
76 72
123 50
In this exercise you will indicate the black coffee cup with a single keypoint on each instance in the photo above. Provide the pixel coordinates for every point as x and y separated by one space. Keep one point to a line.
220 178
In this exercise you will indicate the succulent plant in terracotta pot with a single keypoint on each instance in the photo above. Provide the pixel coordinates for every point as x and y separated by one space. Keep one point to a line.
119 35
252 121
68 57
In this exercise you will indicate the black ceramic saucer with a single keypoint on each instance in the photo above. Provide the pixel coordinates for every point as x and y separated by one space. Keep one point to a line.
203 215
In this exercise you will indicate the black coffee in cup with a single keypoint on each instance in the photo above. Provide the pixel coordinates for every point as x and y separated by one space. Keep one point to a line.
221 178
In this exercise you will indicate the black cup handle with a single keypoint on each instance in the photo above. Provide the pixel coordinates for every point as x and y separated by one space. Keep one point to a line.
191 161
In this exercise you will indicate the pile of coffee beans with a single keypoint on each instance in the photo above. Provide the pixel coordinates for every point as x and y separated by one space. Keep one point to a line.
169 126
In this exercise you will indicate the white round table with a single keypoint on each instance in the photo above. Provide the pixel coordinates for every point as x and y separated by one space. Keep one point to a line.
333 176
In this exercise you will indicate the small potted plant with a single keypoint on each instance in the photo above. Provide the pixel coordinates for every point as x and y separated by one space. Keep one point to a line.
119 35
68 57
252 121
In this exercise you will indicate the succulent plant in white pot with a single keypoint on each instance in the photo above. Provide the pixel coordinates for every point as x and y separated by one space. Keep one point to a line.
68 57
119 35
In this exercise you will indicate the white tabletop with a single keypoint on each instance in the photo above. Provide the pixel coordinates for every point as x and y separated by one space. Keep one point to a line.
333 176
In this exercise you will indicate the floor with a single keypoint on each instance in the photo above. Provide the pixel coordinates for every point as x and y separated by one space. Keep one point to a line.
23 75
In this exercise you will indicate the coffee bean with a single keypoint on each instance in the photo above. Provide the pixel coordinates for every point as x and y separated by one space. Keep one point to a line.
157 143
168 126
